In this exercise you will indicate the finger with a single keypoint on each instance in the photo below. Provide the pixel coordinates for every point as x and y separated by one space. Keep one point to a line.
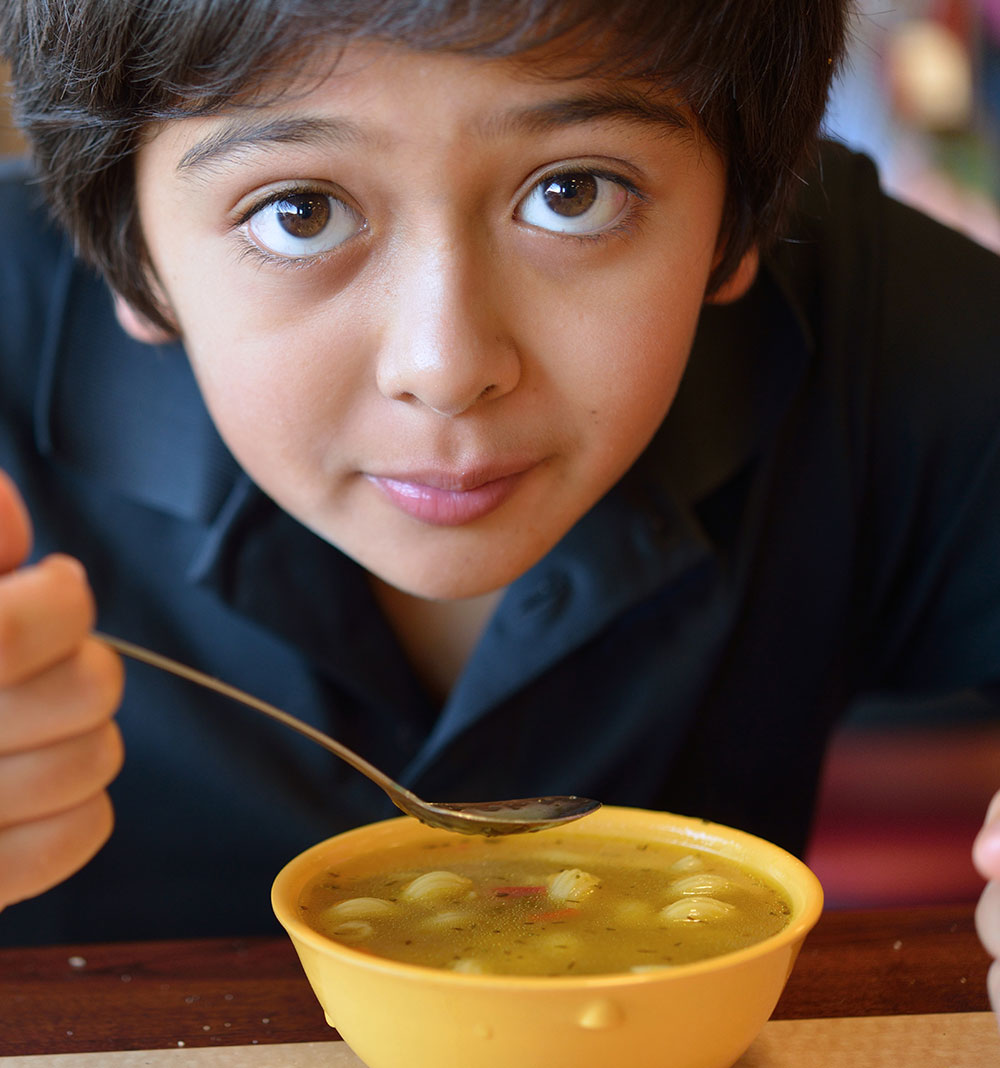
42 782
72 698
36 856
45 612
993 986
15 526
986 848
988 919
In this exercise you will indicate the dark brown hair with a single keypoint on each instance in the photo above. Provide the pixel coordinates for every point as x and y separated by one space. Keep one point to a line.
90 75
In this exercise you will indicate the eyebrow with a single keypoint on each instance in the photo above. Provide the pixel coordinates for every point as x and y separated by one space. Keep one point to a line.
612 104
234 137
616 104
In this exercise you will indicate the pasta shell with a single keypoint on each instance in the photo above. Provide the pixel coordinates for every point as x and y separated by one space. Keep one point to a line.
695 910
692 862
352 931
360 908
437 886
634 912
468 966
701 884
572 884
450 918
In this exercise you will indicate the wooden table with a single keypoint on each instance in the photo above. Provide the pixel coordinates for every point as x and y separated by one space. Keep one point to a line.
221 992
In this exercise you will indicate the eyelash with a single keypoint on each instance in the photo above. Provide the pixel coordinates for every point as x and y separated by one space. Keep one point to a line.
628 224
631 219
250 250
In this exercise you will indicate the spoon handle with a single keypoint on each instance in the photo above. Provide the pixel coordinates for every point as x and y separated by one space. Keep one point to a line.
174 667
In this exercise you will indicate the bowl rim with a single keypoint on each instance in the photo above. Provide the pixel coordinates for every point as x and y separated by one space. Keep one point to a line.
289 879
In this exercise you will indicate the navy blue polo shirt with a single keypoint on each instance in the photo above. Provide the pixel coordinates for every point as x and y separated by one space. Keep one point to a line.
817 520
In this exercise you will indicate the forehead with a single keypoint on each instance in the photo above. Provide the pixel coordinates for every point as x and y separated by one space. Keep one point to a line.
366 95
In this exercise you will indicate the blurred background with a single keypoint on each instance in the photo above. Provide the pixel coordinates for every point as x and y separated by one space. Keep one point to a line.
9 141
921 95
900 805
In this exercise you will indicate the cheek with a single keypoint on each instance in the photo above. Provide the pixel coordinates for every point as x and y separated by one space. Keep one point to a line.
278 396
636 323
636 348
272 372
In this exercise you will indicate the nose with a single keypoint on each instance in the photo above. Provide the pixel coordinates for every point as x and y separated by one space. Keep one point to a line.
445 344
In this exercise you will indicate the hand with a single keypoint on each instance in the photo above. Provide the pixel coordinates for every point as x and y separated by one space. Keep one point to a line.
986 854
59 689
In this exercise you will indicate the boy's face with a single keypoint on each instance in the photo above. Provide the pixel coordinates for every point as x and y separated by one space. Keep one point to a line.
436 307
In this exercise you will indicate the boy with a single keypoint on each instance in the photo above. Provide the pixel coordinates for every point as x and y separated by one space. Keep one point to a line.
438 273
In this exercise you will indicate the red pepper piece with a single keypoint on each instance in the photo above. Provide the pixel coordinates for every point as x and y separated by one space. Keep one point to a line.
555 914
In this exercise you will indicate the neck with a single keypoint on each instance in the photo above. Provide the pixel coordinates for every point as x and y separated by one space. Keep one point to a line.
438 637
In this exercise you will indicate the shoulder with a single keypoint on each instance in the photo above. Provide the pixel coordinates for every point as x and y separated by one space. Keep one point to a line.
921 271
902 309
34 253
851 247
28 233
903 387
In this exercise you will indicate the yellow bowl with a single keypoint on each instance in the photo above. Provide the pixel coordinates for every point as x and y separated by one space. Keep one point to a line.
701 1015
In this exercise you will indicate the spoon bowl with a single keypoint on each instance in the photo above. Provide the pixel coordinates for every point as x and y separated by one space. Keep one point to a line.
466 817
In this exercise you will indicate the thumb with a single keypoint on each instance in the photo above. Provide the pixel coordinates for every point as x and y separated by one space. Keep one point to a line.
15 526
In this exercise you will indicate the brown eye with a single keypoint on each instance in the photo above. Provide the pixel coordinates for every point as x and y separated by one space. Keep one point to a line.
575 202
571 194
297 225
303 215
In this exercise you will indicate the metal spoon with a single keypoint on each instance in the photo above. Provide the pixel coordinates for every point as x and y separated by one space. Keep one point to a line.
466 817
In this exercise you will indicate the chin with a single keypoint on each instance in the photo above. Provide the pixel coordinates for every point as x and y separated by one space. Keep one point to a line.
453 578
452 564
446 587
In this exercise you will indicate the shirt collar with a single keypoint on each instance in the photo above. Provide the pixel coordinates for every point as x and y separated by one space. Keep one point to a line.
747 360
122 413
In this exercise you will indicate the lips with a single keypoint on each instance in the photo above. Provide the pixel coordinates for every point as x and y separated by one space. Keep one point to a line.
446 499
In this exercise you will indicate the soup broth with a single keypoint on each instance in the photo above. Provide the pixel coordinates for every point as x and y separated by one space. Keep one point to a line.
543 905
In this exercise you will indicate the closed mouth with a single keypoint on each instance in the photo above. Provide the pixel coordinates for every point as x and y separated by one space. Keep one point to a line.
443 498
